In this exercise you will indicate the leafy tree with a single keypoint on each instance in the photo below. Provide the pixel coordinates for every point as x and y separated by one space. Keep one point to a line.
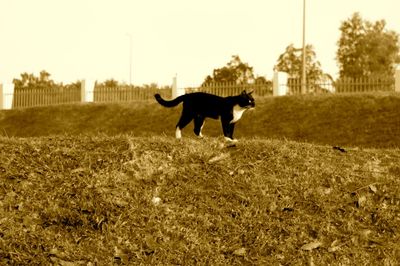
74 85
262 80
110 83
235 71
291 62
366 48
31 81
42 82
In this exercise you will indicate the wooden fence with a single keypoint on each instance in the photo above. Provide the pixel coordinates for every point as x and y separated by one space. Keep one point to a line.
369 84
229 89
128 94
30 97
27 97
312 86
343 85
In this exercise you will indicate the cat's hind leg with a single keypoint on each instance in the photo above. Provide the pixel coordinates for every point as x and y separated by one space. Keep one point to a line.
183 122
198 125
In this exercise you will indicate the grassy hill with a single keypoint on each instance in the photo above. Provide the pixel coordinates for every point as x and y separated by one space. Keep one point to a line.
363 120
103 184
101 200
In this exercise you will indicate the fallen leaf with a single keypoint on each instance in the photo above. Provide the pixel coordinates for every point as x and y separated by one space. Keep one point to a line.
78 170
220 157
151 242
240 252
120 202
361 200
57 253
327 191
120 254
311 246
334 246
273 206
365 233
156 200
373 188
333 249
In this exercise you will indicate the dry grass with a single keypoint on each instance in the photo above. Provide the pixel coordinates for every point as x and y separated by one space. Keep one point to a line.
357 120
101 200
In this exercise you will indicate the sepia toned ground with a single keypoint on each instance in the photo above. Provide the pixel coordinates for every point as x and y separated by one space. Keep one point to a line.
74 191
362 120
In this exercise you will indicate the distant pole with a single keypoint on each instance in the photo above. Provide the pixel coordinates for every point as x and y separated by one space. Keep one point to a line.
130 58
303 74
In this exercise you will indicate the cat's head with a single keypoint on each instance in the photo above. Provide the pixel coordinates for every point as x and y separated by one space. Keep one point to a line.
246 100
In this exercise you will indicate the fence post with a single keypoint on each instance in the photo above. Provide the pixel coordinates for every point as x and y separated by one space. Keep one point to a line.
6 96
279 84
175 90
397 79
87 91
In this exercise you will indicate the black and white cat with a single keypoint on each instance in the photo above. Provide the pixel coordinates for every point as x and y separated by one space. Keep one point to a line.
199 105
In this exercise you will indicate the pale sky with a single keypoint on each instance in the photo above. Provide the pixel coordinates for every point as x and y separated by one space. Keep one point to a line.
89 39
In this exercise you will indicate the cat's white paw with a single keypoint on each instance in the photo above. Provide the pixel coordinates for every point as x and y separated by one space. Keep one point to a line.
231 140
178 133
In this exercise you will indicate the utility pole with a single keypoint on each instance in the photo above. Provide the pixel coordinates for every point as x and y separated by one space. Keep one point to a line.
303 74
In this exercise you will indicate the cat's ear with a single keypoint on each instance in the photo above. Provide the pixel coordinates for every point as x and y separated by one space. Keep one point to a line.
244 92
250 92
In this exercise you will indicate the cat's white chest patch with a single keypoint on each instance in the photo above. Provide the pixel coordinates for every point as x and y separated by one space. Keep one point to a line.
237 113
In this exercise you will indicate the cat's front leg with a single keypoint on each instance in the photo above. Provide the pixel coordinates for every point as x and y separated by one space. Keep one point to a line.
228 128
229 135
231 129
225 127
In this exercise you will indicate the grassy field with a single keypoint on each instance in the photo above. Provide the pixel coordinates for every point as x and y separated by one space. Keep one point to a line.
362 120
108 184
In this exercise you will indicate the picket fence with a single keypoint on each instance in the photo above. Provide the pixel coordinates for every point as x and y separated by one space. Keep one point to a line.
229 89
343 85
30 97
27 97
128 94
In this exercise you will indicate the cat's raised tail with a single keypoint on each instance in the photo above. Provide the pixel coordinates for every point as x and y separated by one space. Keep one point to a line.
171 103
